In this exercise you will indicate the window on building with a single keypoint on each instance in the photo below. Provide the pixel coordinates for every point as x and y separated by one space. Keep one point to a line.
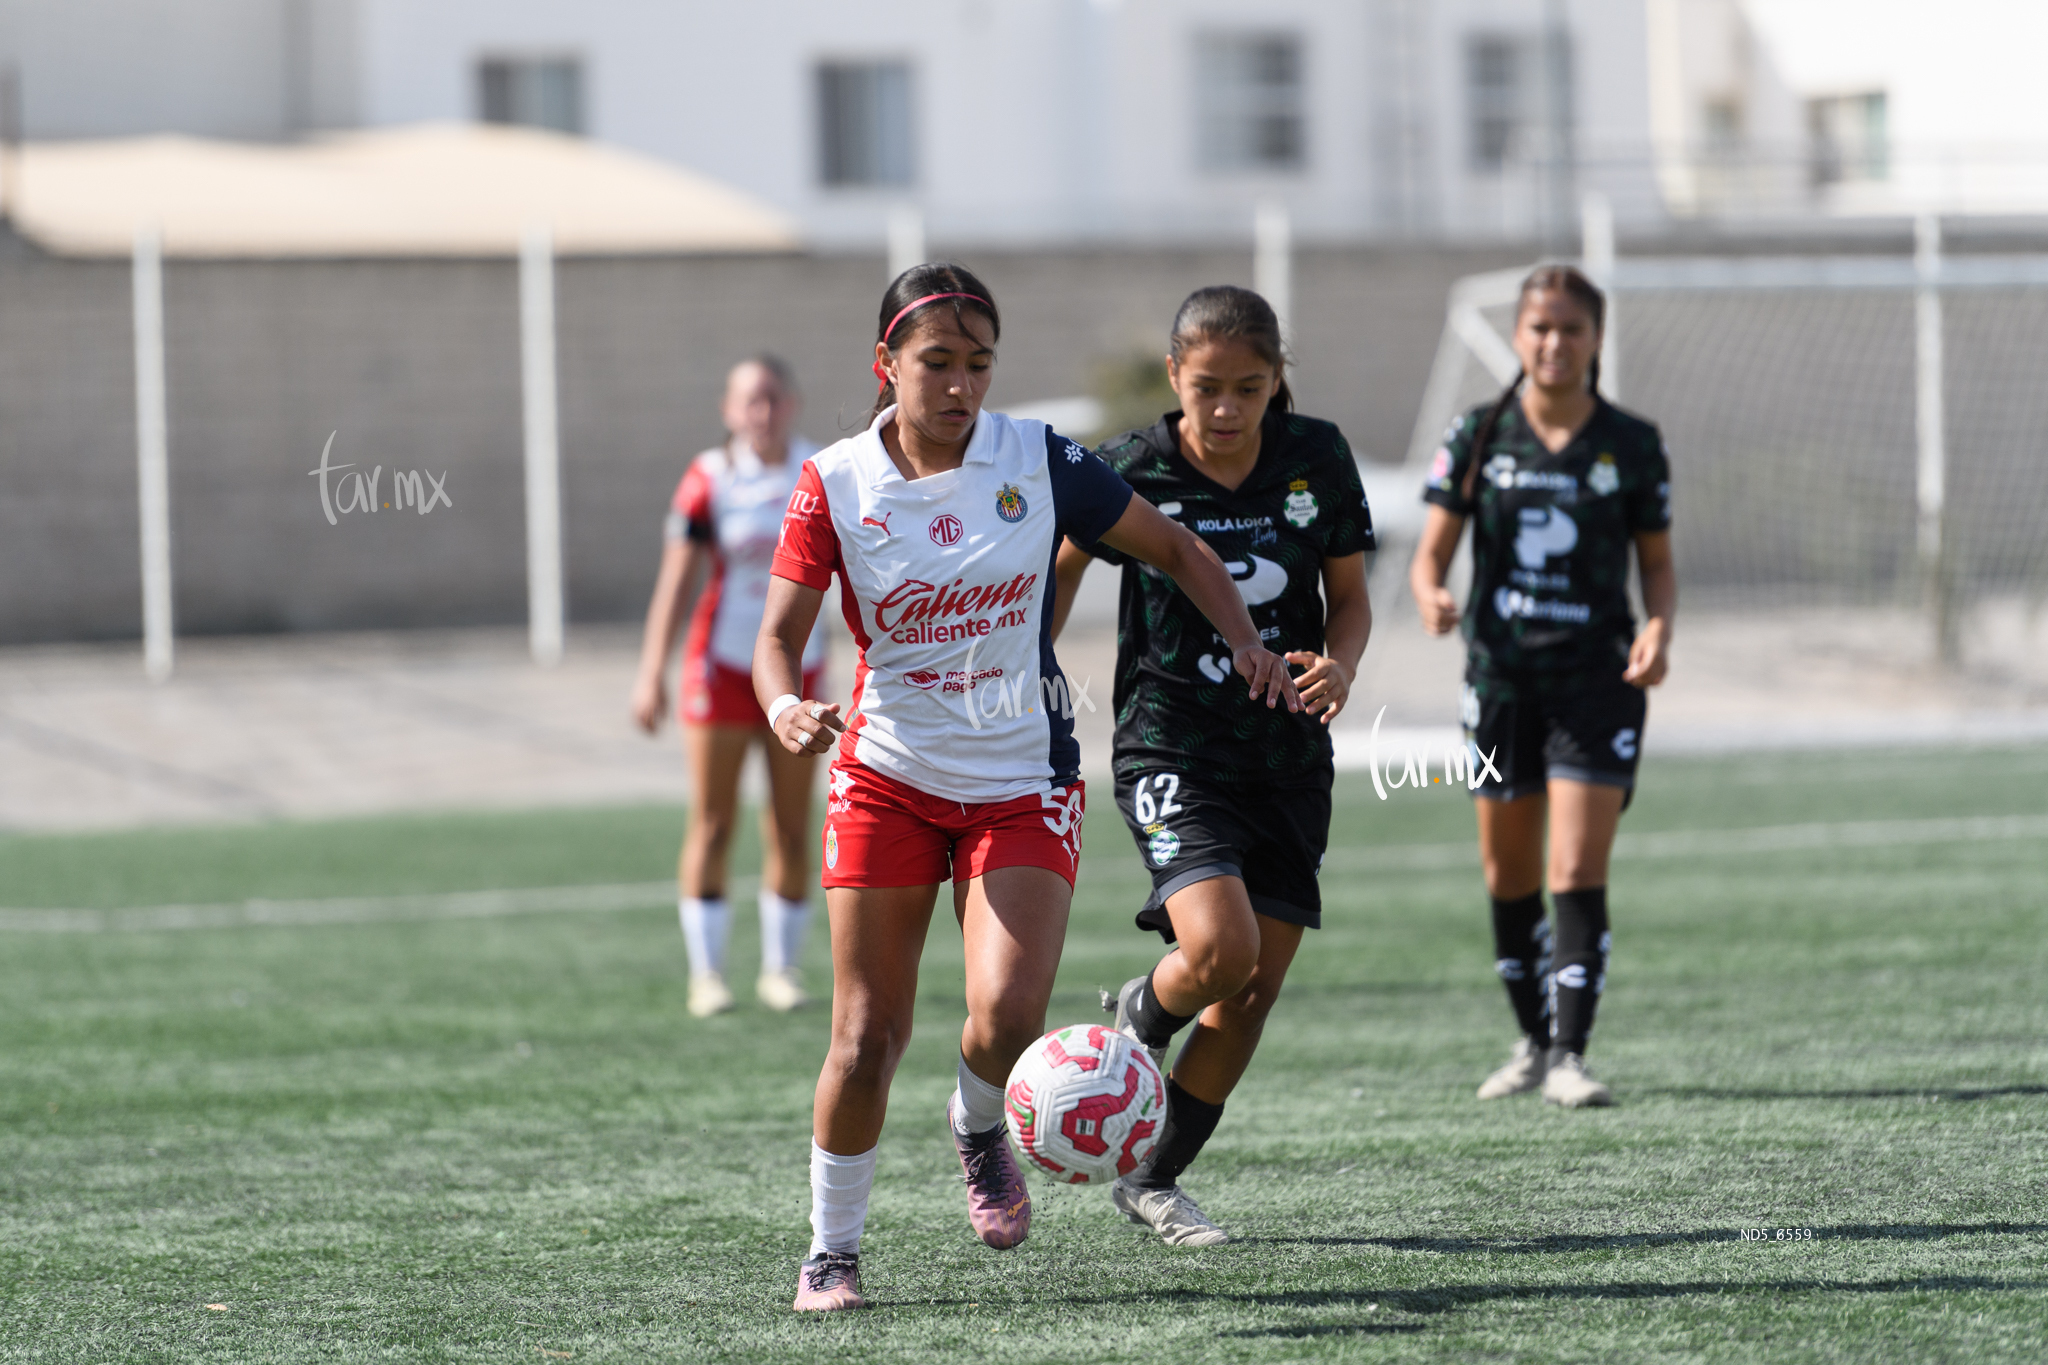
1252 107
532 92
1722 125
1497 81
864 124
1846 138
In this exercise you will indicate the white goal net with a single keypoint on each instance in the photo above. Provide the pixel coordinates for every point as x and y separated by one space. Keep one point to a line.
1847 433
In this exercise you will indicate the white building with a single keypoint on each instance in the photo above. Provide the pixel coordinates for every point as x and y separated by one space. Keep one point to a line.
1043 121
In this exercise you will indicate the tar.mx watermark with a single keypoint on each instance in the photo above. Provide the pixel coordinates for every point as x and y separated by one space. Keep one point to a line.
358 492
1059 696
1464 765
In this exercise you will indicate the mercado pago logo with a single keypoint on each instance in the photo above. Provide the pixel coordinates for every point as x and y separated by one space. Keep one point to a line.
359 492
1464 765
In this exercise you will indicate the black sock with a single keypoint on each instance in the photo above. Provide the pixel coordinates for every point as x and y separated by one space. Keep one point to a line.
1189 1122
1155 1025
1579 973
1521 951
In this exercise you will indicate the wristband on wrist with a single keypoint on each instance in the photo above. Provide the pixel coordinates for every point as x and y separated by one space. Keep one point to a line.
779 705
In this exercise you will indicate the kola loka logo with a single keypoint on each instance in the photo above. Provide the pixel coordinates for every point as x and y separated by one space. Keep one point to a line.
357 492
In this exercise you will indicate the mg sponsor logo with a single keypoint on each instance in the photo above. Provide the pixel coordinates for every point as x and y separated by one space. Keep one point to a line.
946 529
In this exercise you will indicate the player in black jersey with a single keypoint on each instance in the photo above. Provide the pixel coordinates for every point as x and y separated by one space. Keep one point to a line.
1228 799
1559 485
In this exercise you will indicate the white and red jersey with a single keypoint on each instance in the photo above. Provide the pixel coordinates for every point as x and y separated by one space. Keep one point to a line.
731 500
947 585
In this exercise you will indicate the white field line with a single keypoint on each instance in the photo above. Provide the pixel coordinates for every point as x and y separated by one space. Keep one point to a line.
1700 843
348 910
640 895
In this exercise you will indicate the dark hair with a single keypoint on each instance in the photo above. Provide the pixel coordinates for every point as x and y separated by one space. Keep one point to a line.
1566 280
775 365
916 283
1224 312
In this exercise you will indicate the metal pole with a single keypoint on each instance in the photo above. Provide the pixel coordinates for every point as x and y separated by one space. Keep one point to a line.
1273 262
152 453
906 238
1931 484
1596 222
543 452
10 144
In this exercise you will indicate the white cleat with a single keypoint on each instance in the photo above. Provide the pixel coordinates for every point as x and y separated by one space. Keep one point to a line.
1123 1005
709 995
1569 1086
783 991
1177 1219
1524 1072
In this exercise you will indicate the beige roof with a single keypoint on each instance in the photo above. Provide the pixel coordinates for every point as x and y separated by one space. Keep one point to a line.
430 190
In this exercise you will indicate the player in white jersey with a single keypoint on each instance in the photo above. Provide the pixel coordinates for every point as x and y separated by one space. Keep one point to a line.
957 757
723 524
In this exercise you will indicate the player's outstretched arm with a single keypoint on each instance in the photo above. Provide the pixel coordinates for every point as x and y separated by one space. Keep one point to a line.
786 623
675 588
1432 566
1144 532
1649 657
1072 563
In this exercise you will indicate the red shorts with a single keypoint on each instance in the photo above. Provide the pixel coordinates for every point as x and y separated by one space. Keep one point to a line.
713 694
881 832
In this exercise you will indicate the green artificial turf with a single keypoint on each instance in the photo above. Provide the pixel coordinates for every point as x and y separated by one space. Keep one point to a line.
503 1138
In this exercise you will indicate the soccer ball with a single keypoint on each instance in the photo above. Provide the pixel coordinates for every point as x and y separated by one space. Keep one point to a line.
1085 1103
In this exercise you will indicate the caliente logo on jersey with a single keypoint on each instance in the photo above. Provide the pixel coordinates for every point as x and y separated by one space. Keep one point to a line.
911 611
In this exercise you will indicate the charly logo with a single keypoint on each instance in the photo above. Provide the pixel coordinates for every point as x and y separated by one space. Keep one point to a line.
1300 507
1010 504
1258 580
1545 532
357 492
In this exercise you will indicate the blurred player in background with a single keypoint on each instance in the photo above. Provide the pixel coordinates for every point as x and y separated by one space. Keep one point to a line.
958 759
1229 801
723 523
1559 484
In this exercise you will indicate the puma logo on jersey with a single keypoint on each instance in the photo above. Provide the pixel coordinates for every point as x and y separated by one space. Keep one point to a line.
882 522
1545 532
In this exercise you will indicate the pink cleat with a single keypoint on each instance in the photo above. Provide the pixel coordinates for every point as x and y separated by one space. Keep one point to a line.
998 1204
828 1282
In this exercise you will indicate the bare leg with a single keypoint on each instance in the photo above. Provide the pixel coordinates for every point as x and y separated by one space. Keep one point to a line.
1220 1045
786 823
714 755
877 938
1013 923
1583 819
1511 845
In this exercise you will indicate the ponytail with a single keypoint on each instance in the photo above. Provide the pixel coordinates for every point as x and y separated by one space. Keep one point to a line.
1484 435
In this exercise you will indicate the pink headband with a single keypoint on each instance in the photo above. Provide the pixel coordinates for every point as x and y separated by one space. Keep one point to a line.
881 379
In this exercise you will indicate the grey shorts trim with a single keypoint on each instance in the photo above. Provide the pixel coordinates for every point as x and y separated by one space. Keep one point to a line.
1626 782
1188 876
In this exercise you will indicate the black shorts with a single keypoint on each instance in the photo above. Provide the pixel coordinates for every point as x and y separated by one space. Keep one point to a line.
1584 728
1188 830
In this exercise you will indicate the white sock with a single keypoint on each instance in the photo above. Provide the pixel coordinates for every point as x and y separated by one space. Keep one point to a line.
977 1105
782 933
706 924
839 1198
